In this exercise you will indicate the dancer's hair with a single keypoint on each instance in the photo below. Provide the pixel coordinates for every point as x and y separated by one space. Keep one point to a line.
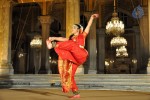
78 26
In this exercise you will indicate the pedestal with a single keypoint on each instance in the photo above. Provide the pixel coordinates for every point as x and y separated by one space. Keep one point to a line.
5 38
80 70
45 22
72 15
6 69
148 67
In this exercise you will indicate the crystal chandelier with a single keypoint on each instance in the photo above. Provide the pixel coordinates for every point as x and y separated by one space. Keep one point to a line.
36 42
115 26
121 52
118 41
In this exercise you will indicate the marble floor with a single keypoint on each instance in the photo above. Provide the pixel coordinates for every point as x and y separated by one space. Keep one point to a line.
56 94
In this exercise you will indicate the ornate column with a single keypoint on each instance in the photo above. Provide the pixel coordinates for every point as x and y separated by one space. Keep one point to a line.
101 14
63 25
91 46
89 4
5 38
137 48
144 36
72 15
45 22
100 51
148 66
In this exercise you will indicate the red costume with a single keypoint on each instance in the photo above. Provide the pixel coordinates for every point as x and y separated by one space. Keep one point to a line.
71 54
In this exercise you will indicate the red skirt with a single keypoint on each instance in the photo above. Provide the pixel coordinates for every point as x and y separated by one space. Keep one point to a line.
70 50
71 57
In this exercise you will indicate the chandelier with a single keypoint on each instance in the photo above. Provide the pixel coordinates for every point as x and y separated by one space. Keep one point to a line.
121 52
115 26
36 42
118 41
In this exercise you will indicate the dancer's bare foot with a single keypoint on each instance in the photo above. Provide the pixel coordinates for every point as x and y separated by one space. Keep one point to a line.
75 96
65 89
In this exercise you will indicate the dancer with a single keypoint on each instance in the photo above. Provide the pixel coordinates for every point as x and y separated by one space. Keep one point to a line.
71 54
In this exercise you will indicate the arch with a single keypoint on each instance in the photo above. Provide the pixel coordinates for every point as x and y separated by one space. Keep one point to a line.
21 18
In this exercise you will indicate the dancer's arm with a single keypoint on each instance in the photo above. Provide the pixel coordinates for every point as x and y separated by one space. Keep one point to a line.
58 39
87 29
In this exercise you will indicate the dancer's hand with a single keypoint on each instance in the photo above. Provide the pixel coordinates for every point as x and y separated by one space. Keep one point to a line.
51 38
48 43
95 15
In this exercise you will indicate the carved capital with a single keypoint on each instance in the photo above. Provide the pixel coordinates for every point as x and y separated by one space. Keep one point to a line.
5 4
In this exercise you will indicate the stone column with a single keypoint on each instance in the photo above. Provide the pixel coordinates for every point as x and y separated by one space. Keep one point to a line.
45 22
148 66
144 38
137 51
100 51
72 15
100 16
5 38
63 25
64 18
91 46
89 4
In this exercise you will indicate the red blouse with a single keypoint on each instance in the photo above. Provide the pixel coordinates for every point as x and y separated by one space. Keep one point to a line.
80 39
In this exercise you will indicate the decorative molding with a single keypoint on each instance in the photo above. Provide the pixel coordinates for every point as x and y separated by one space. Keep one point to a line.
5 4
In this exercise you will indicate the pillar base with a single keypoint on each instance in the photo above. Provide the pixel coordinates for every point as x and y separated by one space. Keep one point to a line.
6 69
80 70
92 71
148 66
148 70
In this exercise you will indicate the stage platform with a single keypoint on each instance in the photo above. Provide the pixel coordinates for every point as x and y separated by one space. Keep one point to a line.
121 82
56 94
